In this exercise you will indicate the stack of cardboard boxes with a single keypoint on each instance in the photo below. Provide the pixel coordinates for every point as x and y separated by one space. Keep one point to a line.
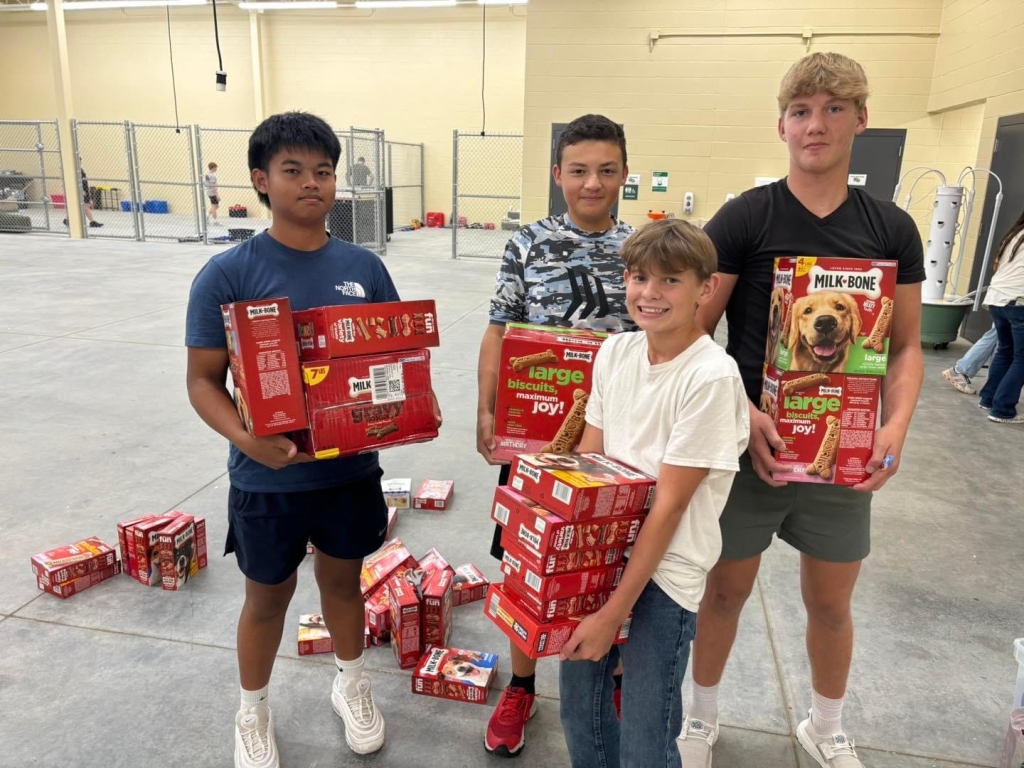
567 520
164 549
827 351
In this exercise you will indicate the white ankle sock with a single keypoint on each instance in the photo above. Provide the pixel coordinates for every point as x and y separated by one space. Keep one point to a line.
826 714
705 704
252 698
350 671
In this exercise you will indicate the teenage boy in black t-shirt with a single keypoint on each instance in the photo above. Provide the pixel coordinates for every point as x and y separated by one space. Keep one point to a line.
812 212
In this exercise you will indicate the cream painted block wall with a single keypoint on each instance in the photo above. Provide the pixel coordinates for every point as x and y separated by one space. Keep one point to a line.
704 108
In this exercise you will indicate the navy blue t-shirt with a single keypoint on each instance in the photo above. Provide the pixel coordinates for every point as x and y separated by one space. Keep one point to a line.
262 268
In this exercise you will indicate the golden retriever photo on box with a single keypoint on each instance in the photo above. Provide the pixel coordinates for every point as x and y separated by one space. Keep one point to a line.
823 327
776 321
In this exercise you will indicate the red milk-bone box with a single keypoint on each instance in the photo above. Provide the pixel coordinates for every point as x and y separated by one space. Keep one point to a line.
546 533
147 548
831 315
437 607
361 404
559 608
182 547
514 566
434 495
582 486
562 562
314 637
469 585
66 589
347 330
533 637
432 561
452 673
826 420
406 621
265 366
72 561
126 542
543 385
379 566
378 615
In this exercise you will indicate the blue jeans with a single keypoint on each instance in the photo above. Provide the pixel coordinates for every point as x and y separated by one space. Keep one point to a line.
977 355
1001 392
654 663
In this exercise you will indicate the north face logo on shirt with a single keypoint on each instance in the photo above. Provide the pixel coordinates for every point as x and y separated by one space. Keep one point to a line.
351 289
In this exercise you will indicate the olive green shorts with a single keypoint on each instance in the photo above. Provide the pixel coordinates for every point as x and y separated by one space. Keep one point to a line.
831 523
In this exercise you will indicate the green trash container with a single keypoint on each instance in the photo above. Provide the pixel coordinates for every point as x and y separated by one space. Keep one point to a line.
941 321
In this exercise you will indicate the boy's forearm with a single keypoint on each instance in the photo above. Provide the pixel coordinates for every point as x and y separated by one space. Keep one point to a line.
901 386
214 406
487 369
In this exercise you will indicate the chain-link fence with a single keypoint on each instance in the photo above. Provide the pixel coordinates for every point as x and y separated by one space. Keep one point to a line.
360 207
404 177
164 160
238 213
31 178
487 180
106 175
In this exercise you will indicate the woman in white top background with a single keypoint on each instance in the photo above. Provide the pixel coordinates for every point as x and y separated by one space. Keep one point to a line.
1005 302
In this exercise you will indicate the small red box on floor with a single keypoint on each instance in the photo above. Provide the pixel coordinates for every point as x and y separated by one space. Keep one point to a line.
314 637
346 330
406 621
179 553
147 548
437 607
126 542
202 556
362 404
534 527
451 673
582 486
562 562
559 608
66 589
378 615
435 219
513 565
533 637
73 561
378 567
434 495
432 561
469 585
265 366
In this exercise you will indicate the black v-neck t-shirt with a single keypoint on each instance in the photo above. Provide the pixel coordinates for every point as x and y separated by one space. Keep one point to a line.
767 222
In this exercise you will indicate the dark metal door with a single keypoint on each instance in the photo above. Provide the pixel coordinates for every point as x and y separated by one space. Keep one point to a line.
877 159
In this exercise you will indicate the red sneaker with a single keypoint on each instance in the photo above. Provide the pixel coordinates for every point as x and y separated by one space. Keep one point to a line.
506 735
617 699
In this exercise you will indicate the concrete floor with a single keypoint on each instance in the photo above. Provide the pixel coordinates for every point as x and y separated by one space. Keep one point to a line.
98 429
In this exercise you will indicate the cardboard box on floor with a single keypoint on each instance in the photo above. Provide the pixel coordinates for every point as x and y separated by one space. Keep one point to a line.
452 673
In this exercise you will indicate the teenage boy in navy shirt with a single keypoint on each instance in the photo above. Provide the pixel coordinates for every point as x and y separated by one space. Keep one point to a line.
281 498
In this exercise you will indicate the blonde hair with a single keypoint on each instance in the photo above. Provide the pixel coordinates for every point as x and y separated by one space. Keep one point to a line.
831 73
670 246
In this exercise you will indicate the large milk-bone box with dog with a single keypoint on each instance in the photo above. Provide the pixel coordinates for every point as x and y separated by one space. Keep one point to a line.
264 366
831 315
452 673
827 421
543 385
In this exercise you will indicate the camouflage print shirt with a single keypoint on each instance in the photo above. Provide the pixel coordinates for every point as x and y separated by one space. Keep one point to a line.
554 273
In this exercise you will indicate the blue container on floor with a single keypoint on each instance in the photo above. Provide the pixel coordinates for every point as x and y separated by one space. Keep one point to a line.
155 206
126 206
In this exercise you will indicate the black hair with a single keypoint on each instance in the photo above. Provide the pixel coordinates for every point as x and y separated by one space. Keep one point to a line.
361 160
592 128
1004 247
290 130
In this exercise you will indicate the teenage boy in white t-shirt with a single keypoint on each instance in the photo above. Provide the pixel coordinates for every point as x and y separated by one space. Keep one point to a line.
670 402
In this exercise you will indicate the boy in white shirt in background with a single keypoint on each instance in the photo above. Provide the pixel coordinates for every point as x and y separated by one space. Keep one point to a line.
670 402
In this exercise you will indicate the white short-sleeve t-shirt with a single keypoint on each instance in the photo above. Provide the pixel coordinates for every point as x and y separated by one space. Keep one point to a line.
690 412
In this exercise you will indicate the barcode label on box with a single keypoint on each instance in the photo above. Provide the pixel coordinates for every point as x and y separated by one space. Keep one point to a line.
501 513
388 383
493 607
562 492
533 581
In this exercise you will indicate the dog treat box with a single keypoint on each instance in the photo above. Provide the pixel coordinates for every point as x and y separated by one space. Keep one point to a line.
469 585
543 385
72 561
345 330
515 565
827 421
452 673
362 404
264 366
831 315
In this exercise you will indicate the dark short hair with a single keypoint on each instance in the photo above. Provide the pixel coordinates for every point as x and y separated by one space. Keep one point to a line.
361 160
290 130
592 128
670 246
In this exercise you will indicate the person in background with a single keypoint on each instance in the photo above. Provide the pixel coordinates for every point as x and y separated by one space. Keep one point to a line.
212 192
86 200
967 367
360 175
1005 302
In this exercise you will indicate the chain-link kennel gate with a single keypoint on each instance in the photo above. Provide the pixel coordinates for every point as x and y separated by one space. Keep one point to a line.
360 208
486 192
404 177
103 166
32 195
164 162
239 213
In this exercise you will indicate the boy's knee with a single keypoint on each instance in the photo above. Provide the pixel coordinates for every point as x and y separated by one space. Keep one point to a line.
726 598
832 613
268 603
341 583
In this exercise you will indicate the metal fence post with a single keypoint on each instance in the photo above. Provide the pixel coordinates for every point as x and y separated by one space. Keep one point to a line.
197 203
423 186
42 172
455 193
76 141
204 231
390 167
133 166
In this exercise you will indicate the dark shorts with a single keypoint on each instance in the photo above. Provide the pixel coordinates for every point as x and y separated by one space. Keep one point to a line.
831 523
497 551
268 531
214 200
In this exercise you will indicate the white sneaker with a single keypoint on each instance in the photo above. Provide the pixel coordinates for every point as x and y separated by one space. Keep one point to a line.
364 724
960 381
254 738
834 751
696 742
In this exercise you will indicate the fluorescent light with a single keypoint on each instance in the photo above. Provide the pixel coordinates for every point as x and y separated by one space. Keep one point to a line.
99 5
501 2
376 4
284 5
